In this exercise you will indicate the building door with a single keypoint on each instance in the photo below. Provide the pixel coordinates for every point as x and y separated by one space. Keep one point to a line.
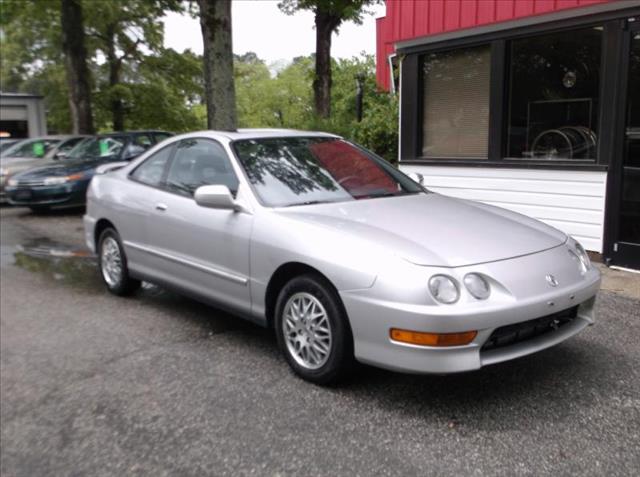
626 224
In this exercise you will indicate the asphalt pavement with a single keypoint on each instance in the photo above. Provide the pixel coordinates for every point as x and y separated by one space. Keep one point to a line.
157 384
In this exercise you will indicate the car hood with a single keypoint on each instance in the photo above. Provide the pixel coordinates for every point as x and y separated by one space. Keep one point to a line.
432 229
63 169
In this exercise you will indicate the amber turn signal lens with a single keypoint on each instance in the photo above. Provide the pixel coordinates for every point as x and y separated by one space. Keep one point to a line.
432 339
75 177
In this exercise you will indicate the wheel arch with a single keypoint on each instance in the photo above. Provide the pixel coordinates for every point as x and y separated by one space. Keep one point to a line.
101 226
282 275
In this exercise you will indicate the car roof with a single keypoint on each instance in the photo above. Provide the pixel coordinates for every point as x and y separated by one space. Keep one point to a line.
59 137
256 134
131 133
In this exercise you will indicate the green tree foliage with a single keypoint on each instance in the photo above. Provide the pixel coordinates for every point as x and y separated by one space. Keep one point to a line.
161 88
286 100
120 30
328 16
122 35
166 93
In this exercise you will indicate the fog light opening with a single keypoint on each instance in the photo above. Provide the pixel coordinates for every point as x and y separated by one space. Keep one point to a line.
432 339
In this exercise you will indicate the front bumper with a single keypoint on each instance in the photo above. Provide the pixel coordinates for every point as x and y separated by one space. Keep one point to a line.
64 195
371 317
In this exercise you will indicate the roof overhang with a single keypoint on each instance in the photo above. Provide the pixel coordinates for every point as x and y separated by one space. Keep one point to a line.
622 8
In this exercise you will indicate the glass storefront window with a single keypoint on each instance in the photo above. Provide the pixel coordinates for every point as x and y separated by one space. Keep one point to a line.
456 103
554 96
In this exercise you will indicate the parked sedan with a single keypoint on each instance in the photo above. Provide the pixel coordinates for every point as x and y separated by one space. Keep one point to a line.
345 257
6 142
29 153
64 184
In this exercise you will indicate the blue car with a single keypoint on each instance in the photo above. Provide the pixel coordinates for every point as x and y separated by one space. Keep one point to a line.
65 184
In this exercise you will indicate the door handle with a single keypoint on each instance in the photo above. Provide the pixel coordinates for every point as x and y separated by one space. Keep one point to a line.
161 207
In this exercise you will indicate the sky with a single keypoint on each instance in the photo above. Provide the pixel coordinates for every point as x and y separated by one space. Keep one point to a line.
259 26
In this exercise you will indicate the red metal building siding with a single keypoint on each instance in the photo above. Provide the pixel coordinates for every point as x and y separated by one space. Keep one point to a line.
407 19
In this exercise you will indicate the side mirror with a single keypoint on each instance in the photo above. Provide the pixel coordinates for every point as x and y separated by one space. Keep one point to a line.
132 151
417 177
112 166
215 197
60 155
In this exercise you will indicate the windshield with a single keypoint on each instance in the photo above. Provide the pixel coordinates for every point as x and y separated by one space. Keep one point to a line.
30 148
97 148
302 170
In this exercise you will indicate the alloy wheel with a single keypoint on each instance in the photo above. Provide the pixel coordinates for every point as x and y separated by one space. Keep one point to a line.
307 330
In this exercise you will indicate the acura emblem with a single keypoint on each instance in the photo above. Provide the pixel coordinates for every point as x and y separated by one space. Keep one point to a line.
551 280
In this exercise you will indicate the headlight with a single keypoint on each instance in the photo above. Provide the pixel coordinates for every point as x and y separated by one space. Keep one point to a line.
444 289
12 182
54 180
63 180
477 286
583 258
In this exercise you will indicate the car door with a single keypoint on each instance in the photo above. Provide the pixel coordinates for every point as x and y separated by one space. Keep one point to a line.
201 250
136 198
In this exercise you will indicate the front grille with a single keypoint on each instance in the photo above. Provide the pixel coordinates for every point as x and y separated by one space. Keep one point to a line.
519 332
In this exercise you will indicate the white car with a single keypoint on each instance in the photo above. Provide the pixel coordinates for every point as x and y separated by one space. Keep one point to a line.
345 257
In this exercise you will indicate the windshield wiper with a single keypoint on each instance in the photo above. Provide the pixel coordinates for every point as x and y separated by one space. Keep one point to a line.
310 202
375 196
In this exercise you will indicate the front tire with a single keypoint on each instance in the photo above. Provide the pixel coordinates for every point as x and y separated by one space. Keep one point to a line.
313 330
112 262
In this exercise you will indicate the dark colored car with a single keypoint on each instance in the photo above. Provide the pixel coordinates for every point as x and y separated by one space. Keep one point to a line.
65 184
6 143
29 153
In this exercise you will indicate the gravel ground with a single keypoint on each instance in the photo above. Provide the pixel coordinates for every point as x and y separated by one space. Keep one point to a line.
161 385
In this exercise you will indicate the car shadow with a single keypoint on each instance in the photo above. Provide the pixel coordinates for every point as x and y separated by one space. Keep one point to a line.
63 212
556 384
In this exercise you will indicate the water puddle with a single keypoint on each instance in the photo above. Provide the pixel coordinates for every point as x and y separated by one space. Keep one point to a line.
77 267
64 263
67 264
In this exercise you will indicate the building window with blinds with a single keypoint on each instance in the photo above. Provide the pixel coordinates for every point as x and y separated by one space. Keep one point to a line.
455 120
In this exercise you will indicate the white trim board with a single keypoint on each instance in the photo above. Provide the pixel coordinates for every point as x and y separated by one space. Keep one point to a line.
572 201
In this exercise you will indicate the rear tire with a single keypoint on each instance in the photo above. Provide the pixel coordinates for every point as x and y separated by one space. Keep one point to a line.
313 330
112 262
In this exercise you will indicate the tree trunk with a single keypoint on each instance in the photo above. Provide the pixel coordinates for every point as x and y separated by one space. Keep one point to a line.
75 55
220 93
325 25
117 108
115 65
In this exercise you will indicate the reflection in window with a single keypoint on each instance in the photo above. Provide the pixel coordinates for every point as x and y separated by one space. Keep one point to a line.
98 148
299 170
554 93
31 149
199 162
456 103
151 170
630 204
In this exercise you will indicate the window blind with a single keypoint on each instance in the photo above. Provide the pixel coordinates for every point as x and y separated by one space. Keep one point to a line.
456 103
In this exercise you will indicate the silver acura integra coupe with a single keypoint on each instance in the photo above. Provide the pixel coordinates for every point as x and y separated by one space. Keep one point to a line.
343 255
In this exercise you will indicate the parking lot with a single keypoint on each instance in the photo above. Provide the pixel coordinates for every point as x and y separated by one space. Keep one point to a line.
158 384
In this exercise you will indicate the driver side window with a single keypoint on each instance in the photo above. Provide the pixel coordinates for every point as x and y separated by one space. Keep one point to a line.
150 172
199 162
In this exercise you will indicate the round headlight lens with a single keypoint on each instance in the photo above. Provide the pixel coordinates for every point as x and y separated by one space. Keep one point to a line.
583 257
477 286
444 289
